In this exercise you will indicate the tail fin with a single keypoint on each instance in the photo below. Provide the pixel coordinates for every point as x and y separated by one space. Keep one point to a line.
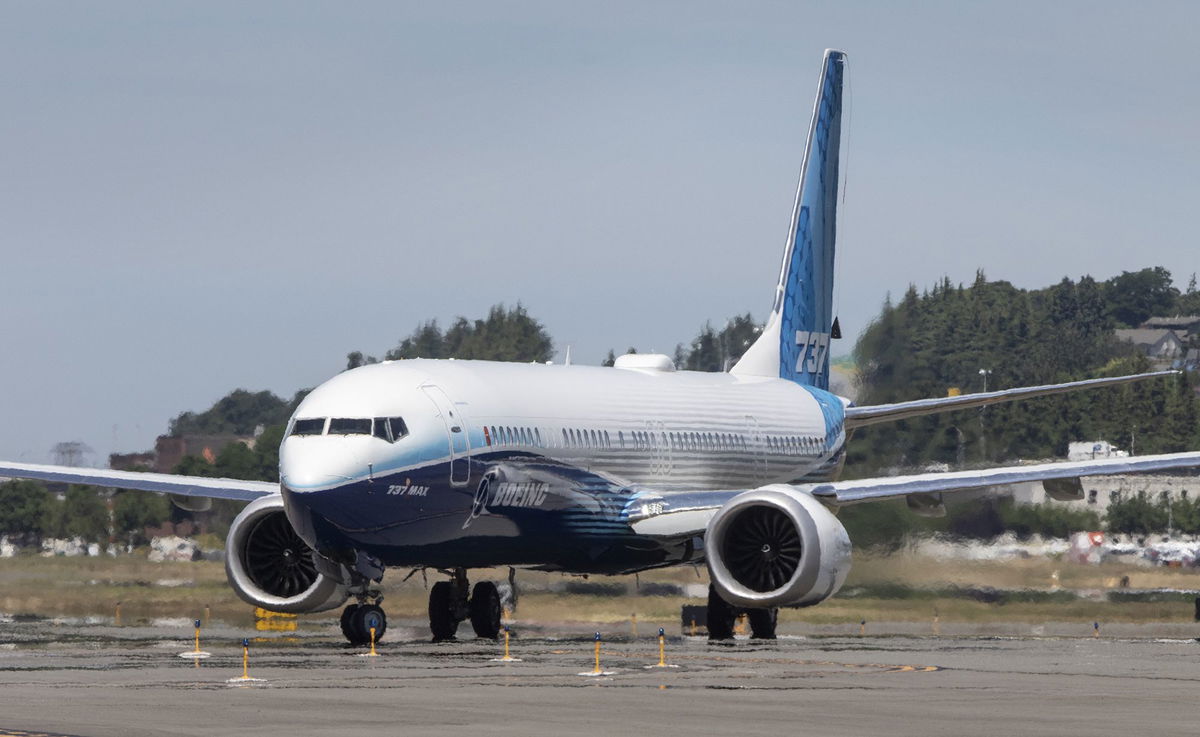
795 342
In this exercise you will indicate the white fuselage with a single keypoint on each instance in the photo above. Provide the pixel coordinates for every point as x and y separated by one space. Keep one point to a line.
667 430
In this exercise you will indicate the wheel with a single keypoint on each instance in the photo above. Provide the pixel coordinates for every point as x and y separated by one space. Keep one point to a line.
368 616
442 622
721 616
485 610
348 624
762 623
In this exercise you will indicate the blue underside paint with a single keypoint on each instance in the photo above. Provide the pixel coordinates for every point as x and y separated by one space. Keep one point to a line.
531 511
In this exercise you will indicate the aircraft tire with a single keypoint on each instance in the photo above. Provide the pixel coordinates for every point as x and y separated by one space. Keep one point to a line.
442 622
721 616
347 622
762 623
368 616
485 610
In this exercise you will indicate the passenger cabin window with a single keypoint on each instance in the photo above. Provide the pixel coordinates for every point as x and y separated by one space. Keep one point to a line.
311 426
349 426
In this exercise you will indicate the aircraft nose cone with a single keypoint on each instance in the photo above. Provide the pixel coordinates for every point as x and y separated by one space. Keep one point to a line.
313 464
307 479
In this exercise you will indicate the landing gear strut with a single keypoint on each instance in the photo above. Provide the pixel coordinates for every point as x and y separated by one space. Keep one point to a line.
449 605
722 616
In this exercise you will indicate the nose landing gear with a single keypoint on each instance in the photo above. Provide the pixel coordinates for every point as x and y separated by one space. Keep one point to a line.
358 619
449 604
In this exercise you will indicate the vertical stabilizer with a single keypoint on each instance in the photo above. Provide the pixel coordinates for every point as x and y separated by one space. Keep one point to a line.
795 341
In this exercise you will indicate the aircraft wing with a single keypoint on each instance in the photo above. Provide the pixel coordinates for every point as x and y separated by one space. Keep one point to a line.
688 513
198 486
862 416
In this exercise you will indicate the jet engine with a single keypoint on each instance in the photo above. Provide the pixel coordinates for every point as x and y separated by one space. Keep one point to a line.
775 546
269 566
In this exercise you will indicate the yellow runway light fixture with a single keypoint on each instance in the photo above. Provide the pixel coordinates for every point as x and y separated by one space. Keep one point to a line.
196 652
507 657
245 677
596 670
371 653
662 651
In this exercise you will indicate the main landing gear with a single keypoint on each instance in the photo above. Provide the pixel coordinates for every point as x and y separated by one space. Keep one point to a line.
359 619
449 604
723 616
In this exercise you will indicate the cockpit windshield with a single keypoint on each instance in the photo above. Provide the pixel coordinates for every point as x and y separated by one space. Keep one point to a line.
349 426
310 426
390 429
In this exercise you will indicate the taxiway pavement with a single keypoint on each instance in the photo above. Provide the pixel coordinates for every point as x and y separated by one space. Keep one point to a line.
97 681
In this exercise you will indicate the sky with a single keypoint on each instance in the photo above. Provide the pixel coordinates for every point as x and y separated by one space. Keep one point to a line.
202 196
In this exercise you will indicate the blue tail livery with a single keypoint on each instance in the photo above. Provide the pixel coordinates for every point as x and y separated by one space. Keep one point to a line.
794 344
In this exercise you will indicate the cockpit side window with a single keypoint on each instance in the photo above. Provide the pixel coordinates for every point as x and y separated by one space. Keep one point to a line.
380 429
398 428
349 426
310 426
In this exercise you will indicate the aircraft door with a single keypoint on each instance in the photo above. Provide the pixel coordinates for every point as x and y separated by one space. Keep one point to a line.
456 431
660 448
758 448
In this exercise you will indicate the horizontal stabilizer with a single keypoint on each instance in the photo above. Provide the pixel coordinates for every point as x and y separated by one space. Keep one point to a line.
862 416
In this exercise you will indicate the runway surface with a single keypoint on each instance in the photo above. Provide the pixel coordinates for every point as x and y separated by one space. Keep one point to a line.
96 681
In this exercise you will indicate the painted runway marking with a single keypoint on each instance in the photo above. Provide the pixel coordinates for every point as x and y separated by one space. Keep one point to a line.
700 657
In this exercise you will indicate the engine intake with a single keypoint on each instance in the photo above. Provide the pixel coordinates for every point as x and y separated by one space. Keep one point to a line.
776 546
269 566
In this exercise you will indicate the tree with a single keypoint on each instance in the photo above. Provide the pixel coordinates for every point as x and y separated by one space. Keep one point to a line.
86 515
239 461
713 350
705 353
191 465
941 339
1134 296
504 335
1137 515
356 359
23 507
266 446
238 413
134 511
236 461
1189 301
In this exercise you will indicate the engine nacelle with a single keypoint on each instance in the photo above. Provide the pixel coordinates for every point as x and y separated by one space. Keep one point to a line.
775 546
268 565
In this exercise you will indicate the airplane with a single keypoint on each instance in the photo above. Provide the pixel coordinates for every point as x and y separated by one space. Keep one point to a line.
455 465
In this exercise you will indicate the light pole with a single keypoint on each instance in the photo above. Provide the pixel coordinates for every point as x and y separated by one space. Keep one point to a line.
982 425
